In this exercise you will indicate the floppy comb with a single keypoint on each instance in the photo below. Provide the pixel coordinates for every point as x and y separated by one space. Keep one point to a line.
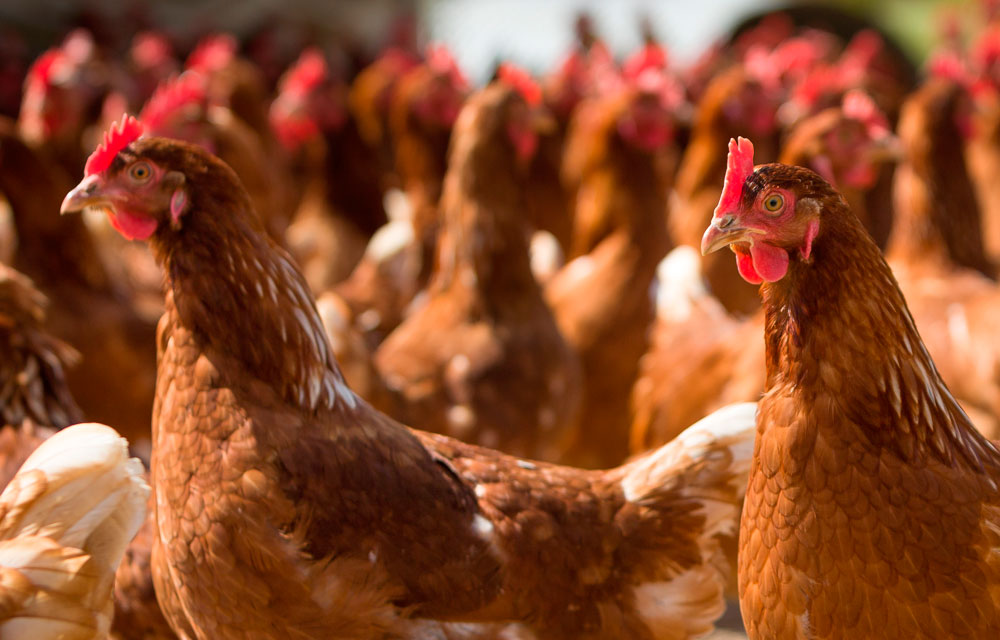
116 138
947 64
519 79
440 60
739 166
212 53
859 106
171 96
308 72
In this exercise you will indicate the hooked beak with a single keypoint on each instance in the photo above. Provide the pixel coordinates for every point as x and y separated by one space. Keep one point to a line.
86 194
723 231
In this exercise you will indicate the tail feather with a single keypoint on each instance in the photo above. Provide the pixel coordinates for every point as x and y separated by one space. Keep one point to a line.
707 464
65 520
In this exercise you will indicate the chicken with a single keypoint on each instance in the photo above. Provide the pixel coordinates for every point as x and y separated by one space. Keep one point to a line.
735 101
371 95
340 204
288 507
398 260
872 508
482 359
856 136
624 143
63 260
34 398
65 519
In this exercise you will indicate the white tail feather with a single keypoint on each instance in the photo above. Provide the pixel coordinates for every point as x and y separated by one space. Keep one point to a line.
65 520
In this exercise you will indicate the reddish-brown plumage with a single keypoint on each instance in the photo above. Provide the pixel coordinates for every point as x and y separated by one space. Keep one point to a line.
288 507
601 298
872 507
482 359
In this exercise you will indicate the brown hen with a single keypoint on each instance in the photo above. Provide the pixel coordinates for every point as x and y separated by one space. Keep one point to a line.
482 359
872 508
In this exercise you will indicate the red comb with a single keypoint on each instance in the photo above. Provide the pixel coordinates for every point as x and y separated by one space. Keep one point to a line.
42 69
739 166
519 79
650 56
308 72
859 106
947 64
151 49
212 53
116 138
440 60
170 97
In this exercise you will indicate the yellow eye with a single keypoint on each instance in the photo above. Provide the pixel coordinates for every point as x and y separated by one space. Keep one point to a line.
774 202
140 172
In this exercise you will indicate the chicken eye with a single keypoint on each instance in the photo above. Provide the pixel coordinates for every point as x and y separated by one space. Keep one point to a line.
140 172
774 202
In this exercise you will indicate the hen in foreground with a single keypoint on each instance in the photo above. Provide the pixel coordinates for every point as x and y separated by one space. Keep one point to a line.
65 520
288 507
872 507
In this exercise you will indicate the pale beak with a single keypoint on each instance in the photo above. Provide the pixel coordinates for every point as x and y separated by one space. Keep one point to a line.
723 231
86 194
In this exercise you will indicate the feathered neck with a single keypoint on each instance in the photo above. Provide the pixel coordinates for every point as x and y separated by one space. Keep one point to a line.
840 339
241 295
483 247
937 214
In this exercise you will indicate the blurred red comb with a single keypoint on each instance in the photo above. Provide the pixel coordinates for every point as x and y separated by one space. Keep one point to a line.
947 64
116 138
521 80
440 60
650 56
42 69
859 106
188 88
739 166
212 53
150 49
308 72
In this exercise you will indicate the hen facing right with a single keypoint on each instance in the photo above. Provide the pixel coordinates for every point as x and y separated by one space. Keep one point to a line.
288 507
872 508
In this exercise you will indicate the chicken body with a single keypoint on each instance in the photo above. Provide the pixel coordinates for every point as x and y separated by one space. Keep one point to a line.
872 508
287 507
482 359
601 299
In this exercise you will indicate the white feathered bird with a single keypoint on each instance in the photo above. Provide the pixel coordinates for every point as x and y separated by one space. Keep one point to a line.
65 520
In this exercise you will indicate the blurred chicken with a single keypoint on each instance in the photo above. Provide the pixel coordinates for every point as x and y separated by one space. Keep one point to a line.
65 520
623 145
339 174
398 261
371 97
737 101
482 358
89 309
34 398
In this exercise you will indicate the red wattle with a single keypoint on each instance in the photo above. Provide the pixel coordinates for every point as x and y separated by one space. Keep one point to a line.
769 262
130 226
744 264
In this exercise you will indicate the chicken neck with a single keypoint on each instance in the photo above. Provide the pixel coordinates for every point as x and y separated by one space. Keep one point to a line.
840 340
